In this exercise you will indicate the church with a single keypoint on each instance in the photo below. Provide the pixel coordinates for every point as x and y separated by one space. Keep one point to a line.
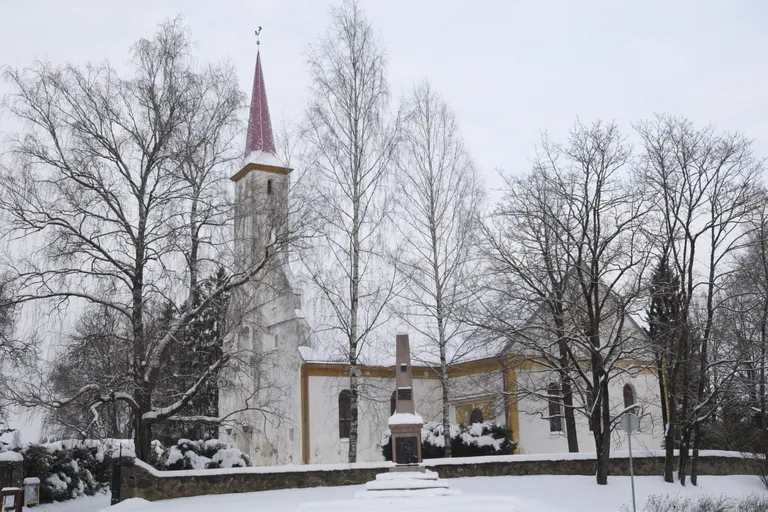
291 406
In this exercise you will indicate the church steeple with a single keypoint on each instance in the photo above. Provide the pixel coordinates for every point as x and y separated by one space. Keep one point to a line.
259 136
260 151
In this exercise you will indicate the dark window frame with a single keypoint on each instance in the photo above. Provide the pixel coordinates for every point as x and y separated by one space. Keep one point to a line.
476 416
555 408
630 400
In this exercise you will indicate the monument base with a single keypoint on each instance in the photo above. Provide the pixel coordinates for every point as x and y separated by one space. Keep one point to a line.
401 483
407 468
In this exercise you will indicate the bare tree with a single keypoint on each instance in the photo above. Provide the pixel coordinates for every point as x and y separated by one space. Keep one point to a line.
704 186
111 183
15 353
439 195
527 278
571 254
98 351
353 146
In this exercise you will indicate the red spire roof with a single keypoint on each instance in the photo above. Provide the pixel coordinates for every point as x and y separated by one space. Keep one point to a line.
259 125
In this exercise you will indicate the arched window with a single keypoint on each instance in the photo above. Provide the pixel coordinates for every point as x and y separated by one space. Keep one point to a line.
476 416
629 395
345 413
555 408
393 403
269 187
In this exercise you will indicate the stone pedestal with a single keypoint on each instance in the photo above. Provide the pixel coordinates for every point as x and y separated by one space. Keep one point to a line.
405 424
406 445
407 477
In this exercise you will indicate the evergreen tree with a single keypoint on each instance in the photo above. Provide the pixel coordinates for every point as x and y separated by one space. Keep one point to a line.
669 346
199 347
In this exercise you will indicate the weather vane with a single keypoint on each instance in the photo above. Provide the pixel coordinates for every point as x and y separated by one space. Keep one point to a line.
258 38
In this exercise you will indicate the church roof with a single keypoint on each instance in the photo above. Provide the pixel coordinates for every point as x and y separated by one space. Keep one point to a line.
259 136
259 141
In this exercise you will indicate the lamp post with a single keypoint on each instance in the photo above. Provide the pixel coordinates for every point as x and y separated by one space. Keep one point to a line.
630 424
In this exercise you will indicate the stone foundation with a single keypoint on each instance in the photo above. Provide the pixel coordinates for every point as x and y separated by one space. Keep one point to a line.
139 480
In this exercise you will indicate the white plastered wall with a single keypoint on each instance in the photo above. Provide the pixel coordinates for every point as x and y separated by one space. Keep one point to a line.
535 435
325 446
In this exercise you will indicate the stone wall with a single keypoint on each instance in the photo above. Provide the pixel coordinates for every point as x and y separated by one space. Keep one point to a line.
140 480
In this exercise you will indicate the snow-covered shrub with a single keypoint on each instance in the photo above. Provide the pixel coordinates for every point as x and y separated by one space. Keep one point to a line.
473 440
65 472
667 503
72 468
210 454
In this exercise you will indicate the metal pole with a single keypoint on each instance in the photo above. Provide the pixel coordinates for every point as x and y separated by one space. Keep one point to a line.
631 473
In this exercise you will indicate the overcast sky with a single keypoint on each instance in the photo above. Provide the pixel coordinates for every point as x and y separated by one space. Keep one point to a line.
509 69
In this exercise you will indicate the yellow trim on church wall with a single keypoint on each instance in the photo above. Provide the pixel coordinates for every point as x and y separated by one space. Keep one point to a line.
464 408
513 413
304 415
507 364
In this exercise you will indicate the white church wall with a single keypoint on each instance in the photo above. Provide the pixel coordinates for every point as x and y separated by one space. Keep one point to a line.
534 430
374 411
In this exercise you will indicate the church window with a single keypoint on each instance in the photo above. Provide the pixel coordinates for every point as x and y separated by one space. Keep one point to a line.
345 413
269 187
555 408
393 403
476 416
629 396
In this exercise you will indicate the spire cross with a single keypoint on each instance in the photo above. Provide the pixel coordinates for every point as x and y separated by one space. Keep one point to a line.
258 36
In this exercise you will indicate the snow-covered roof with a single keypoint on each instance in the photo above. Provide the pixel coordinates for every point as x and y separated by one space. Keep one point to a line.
11 457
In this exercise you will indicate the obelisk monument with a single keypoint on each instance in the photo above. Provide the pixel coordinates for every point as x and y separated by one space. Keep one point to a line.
405 424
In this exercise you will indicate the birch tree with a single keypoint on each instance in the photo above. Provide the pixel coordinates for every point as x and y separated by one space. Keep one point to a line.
438 201
111 184
353 145
704 186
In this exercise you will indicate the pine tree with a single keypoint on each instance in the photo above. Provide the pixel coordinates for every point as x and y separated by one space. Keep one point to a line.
199 347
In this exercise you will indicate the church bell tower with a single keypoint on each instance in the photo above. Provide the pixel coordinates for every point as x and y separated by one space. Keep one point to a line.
270 326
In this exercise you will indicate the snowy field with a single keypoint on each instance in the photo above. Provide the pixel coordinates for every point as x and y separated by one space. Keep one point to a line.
481 494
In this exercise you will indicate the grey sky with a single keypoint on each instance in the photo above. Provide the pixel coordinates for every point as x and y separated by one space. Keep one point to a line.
509 69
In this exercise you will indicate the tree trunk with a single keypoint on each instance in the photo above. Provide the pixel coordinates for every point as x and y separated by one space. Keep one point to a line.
603 440
142 435
446 414
570 420
695 457
354 302
685 445
662 391
353 384
669 442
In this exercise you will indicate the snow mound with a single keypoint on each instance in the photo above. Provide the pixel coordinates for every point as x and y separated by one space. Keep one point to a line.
130 504
405 418
11 457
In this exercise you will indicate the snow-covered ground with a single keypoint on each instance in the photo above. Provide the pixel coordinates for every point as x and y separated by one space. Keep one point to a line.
85 504
481 494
